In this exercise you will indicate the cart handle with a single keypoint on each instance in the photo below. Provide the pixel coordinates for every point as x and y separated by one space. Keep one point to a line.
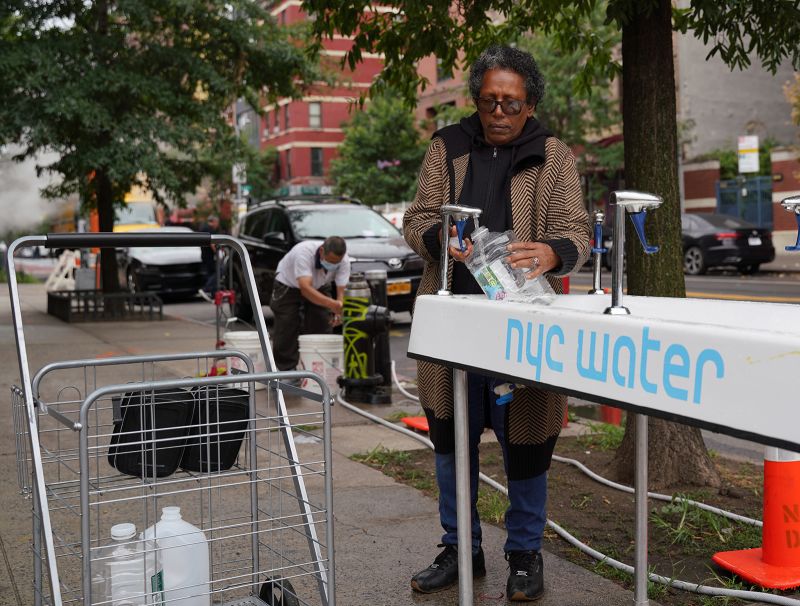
124 240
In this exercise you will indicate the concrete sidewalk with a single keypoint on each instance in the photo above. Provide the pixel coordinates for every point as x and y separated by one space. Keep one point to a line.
384 531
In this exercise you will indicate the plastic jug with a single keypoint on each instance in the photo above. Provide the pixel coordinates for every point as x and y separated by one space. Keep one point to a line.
489 264
177 564
119 574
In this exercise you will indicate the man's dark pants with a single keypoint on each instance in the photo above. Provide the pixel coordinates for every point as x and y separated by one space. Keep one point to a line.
294 316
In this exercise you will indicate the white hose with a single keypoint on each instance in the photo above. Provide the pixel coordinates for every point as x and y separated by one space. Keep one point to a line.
757 596
410 396
658 496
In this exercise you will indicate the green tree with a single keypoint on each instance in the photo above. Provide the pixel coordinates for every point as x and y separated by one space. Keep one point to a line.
580 110
261 172
133 92
767 29
792 92
380 155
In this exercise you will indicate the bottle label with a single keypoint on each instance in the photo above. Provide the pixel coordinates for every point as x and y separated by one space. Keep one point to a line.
489 283
503 274
157 587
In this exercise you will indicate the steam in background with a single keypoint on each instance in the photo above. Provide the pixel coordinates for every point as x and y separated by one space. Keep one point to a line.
21 203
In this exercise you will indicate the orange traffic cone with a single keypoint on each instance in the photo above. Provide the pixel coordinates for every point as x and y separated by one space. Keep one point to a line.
610 414
776 564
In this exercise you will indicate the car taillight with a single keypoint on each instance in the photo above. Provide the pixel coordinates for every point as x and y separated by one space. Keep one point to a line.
726 235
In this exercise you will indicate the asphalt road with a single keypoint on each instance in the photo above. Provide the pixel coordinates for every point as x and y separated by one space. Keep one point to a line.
768 287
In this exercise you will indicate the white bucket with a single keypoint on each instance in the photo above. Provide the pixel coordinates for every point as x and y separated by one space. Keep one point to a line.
323 355
247 342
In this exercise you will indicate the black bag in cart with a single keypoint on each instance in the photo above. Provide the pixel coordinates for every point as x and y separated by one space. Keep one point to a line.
150 429
218 424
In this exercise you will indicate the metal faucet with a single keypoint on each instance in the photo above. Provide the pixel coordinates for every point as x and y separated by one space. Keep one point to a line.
597 251
792 204
460 214
636 203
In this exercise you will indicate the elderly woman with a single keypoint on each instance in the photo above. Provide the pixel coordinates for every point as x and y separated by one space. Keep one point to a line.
503 161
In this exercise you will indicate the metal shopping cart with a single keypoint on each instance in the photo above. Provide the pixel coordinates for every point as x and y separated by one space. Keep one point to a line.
102 442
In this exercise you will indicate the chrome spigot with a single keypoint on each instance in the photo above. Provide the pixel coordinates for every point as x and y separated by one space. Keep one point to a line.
459 214
635 203
597 252
792 204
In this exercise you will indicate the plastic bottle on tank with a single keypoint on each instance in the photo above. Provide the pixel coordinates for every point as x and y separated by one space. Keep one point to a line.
177 561
488 263
491 269
119 577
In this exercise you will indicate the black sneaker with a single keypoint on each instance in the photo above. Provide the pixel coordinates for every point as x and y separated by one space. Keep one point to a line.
526 576
444 571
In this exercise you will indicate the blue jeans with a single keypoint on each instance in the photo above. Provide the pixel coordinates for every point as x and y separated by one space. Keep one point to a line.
526 516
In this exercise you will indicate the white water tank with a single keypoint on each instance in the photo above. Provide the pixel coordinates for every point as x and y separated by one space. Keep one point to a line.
176 554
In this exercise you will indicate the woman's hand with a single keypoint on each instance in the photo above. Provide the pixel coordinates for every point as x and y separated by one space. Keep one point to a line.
536 256
456 253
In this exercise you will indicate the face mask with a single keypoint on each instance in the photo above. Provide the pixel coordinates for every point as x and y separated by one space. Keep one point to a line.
328 265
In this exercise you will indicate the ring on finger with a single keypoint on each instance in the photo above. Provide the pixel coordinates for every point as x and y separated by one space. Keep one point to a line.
535 262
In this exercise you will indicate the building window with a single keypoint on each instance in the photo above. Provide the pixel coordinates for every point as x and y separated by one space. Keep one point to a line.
266 126
315 114
286 116
443 74
288 163
441 121
277 127
316 161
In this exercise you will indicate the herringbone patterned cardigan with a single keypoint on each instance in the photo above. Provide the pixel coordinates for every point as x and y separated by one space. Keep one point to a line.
546 203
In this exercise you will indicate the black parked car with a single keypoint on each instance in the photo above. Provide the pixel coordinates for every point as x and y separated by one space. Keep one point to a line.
270 229
714 240
174 270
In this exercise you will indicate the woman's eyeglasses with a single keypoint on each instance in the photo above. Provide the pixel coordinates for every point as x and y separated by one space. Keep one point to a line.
510 107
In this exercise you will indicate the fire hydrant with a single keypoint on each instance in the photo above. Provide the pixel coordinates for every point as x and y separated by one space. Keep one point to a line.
362 322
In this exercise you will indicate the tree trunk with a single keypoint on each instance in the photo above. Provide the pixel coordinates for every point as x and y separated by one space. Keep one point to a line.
677 452
105 213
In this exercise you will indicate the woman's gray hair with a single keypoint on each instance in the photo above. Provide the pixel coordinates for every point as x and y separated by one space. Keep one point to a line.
511 59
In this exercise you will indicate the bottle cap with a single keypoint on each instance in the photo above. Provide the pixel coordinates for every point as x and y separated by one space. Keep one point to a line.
171 513
123 532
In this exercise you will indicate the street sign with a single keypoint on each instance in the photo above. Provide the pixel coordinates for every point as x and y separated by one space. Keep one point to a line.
239 176
748 154
246 189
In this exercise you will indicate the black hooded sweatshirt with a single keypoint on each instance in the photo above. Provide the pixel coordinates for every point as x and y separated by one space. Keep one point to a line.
487 185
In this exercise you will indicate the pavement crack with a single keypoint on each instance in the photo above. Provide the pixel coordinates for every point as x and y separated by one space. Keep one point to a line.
10 572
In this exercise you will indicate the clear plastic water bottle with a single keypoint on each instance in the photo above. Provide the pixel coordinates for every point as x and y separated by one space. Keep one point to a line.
490 266
119 578
488 263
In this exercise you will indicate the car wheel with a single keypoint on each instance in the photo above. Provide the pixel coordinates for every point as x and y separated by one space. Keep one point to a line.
748 269
130 281
694 261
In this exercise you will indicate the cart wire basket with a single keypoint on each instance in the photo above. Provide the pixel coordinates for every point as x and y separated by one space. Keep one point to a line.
154 481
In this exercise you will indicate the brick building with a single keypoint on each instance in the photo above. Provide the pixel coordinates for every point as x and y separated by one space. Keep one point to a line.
306 132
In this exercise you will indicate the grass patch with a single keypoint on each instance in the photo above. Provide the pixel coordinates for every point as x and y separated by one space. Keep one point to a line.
396 416
701 531
398 465
22 277
380 457
492 505
603 436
